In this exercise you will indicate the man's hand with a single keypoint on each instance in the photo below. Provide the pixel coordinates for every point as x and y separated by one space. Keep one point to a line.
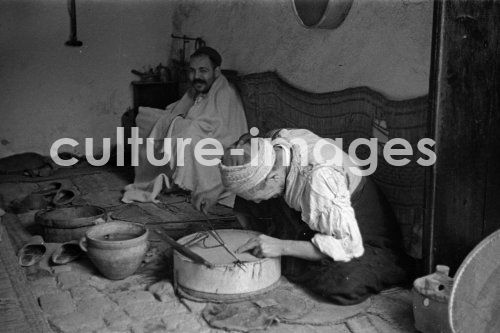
264 246
203 201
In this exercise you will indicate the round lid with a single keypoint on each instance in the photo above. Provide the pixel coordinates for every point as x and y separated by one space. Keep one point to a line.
475 297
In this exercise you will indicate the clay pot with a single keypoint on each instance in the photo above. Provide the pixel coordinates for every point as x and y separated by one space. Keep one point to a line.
68 223
116 248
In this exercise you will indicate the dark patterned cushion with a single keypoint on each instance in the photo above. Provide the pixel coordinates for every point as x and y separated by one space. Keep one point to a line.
352 113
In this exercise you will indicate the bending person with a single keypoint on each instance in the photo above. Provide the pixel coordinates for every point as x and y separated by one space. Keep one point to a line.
335 231
211 108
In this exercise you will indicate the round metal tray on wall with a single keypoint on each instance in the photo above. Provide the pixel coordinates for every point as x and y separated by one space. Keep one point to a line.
475 298
322 14
225 281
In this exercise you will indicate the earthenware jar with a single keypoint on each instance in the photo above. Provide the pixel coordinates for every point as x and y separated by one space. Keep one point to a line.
116 248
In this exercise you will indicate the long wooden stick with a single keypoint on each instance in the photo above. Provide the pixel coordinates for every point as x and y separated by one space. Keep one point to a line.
184 250
218 238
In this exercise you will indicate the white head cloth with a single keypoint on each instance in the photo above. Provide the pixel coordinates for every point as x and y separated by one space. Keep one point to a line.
240 179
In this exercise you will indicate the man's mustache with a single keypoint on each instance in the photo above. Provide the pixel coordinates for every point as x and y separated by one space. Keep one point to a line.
195 81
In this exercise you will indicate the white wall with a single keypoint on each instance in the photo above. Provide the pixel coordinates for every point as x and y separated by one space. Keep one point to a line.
383 44
50 90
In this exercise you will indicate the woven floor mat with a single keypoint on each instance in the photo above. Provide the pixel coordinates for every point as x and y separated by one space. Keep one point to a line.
287 303
291 307
395 308
126 172
19 311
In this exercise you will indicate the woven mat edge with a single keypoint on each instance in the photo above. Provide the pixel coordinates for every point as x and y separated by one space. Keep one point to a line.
33 314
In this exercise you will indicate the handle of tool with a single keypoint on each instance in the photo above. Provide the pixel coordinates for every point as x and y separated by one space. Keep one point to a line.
184 250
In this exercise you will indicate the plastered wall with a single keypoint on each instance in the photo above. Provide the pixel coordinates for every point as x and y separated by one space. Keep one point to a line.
50 90
382 44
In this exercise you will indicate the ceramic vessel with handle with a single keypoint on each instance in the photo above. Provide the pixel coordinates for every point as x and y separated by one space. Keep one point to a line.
116 248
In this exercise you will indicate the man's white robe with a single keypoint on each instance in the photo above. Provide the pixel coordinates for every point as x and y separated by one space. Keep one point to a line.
218 114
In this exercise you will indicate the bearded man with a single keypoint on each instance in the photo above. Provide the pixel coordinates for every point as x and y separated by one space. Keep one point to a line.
211 108
335 231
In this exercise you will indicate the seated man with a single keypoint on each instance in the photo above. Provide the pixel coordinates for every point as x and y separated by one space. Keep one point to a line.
335 231
211 108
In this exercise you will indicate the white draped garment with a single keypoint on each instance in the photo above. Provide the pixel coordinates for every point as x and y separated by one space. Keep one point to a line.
217 114
322 193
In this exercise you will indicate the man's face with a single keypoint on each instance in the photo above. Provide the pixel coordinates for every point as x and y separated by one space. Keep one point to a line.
268 189
201 73
274 184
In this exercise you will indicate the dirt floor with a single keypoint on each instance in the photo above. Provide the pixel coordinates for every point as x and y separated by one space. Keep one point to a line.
75 297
